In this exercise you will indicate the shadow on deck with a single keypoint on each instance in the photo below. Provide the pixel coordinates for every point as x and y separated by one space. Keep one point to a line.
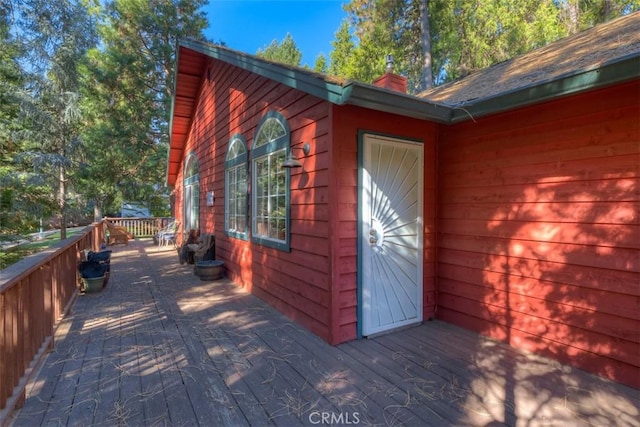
159 347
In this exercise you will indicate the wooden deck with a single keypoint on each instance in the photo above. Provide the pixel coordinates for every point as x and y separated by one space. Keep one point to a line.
159 347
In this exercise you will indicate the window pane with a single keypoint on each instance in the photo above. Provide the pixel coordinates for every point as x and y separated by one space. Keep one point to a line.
270 130
269 181
236 149
262 227
236 202
270 196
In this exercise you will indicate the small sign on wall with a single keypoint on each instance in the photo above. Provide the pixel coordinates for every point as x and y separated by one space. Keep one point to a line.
210 198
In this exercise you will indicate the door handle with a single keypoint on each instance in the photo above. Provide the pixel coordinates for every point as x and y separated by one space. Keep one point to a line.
373 237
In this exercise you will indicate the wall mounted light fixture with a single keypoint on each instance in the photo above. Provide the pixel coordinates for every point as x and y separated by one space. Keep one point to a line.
292 161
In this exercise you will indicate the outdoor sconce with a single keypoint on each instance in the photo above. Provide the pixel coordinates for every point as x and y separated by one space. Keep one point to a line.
291 161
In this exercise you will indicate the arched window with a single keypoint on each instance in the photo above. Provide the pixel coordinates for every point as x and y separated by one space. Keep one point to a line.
191 193
270 182
235 200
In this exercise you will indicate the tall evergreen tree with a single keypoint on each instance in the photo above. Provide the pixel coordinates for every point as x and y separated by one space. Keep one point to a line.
10 82
57 34
377 25
464 35
473 35
578 15
426 80
130 80
320 66
286 52
343 46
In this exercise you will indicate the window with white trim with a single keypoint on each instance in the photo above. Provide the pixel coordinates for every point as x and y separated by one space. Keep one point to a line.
235 209
270 183
191 193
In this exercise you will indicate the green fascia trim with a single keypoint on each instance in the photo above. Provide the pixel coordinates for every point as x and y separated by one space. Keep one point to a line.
624 69
308 82
375 98
372 97
348 93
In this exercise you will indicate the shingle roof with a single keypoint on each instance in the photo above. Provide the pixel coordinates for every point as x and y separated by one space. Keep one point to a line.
585 51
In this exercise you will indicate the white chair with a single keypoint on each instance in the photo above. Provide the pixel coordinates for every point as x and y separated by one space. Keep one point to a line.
168 235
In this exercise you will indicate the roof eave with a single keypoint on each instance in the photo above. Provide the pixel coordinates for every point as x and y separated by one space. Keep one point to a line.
375 98
173 104
306 82
340 93
623 69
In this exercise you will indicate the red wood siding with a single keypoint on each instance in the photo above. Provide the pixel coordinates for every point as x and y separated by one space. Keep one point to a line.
539 234
347 121
297 282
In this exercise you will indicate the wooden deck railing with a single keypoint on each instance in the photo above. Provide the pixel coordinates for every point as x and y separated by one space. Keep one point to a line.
142 227
35 294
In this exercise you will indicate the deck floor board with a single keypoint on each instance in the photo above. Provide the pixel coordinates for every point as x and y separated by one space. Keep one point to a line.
159 347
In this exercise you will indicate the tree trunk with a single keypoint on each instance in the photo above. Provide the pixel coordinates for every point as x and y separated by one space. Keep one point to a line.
427 73
573 15
97 211
62 202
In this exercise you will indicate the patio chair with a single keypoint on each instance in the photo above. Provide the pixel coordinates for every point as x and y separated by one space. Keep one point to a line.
117 233
167 235
168 238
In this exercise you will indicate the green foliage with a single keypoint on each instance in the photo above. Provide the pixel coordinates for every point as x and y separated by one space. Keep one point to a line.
465 35
286 52
84 120
55 35
471 35
343 46
11 80
129 83
321 66
375 29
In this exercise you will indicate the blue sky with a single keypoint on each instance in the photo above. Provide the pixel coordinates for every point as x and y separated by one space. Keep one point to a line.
249 25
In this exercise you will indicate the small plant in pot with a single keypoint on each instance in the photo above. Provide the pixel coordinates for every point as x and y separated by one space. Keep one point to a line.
95 271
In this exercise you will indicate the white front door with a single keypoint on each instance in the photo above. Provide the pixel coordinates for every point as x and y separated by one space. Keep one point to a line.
391 233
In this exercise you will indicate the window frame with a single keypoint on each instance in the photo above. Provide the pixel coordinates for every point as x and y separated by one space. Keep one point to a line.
191 190
232 165
269 149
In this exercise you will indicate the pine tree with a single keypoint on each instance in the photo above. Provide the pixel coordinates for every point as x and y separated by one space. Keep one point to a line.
320 66
130 85
343 47
57 34
285 53
10 82
464 35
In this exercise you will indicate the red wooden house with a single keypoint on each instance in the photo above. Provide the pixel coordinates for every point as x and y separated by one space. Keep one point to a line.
506 202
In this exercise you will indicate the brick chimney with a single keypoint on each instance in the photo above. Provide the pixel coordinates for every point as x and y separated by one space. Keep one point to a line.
390 80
